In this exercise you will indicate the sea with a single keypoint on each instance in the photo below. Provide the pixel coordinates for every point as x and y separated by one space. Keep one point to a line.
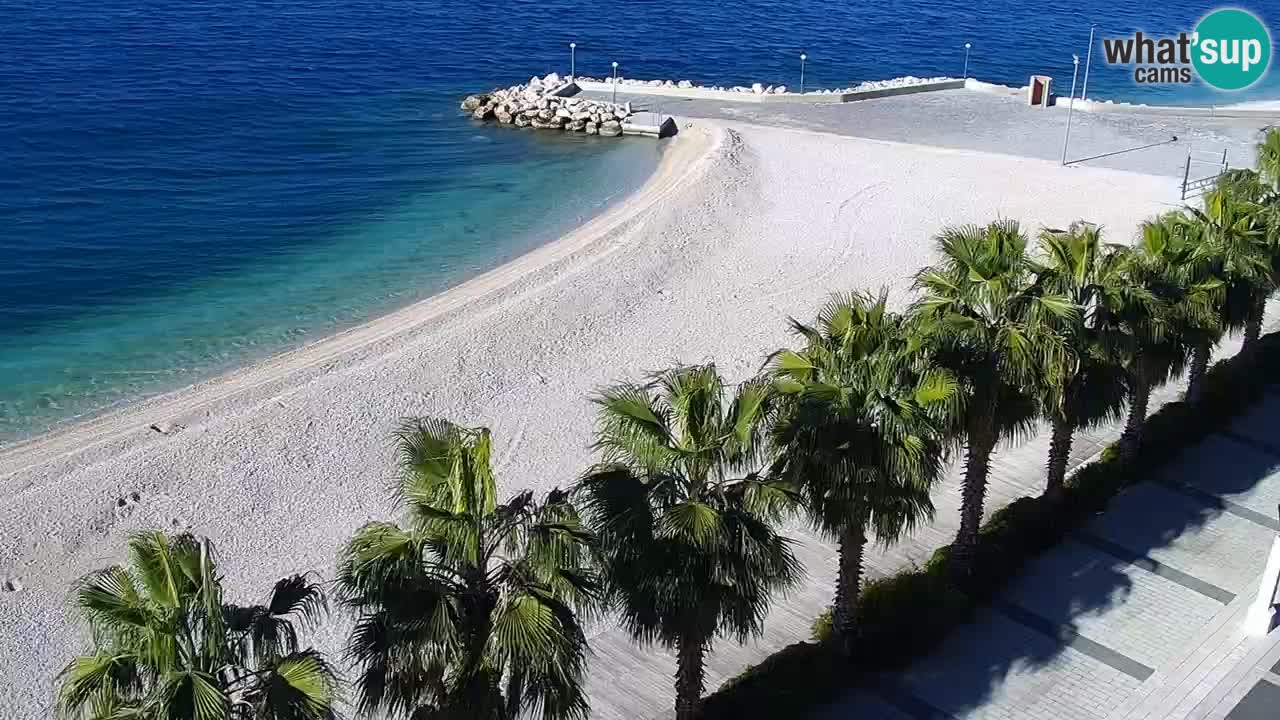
187 187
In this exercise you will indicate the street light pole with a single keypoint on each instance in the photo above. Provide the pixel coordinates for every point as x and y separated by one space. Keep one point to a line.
573 57
803 57
615 82
1088 60
966 59
1075 59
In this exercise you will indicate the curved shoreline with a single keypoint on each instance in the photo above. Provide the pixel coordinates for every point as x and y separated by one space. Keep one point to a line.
744 226
136 419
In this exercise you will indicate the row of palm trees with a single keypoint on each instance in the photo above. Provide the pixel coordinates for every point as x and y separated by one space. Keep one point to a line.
469 607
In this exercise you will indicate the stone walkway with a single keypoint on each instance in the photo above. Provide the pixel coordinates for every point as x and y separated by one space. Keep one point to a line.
967 120
1136 617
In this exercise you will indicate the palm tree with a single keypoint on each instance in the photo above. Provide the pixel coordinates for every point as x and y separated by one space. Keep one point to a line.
860 432
685 519
167 647
1233 259
1256 210
470 607
994 327
1172 314
1268 180
1092 385
1269 159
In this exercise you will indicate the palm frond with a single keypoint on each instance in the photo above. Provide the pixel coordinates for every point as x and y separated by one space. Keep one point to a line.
90 683
298 686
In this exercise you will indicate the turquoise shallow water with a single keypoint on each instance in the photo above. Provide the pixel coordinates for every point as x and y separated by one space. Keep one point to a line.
348 272
185 187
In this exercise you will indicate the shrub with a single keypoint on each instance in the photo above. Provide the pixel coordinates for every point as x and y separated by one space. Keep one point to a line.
799 676
823 626
902 616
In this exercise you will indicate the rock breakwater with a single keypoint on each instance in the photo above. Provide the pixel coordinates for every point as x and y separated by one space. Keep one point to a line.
544 103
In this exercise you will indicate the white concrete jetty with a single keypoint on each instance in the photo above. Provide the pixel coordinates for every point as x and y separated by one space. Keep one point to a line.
761 93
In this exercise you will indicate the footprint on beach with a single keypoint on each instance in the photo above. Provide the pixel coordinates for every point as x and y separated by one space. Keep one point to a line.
126 503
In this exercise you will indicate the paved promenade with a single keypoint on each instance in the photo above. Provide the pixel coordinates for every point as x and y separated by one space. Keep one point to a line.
968 120
1136 617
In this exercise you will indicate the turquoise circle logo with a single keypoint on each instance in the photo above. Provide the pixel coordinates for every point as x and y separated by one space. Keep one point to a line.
1232 49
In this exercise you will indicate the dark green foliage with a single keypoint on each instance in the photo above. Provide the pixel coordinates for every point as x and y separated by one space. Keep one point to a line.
905 616
167 647
685 523
469 607
797 678
822 627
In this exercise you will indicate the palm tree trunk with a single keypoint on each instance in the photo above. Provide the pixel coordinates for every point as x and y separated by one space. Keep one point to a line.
1131 438
848 583
1059 454
1199 368
981 441
1253 324
689 676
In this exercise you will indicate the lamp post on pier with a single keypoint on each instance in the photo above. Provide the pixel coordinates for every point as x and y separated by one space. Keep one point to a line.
573 57
803 57
966 60
1071 104
1088 60
615 82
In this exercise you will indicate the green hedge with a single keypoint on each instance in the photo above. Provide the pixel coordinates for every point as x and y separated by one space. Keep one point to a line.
905 616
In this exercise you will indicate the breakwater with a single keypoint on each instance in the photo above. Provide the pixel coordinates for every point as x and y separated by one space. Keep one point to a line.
547 103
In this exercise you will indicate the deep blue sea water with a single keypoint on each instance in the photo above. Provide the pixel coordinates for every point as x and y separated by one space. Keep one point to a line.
185 186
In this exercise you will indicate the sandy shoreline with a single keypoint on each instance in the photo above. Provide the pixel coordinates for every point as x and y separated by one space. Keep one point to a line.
740 227
177 406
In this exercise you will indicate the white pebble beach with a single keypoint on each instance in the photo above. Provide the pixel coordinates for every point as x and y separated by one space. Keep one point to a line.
740 227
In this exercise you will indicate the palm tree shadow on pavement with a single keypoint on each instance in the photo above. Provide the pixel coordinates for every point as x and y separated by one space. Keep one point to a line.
1194 530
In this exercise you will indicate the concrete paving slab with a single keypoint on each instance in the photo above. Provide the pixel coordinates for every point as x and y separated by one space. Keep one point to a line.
1261 703
1185 534
1237 473
998 668
1111 602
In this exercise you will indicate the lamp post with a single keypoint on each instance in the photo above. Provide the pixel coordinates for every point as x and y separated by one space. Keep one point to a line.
803 57
966 59
1088 60
1075 59
573 57
615 82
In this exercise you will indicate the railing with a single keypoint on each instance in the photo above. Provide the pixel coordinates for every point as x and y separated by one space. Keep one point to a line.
1197 185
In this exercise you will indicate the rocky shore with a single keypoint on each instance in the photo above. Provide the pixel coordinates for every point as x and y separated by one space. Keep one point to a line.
542 103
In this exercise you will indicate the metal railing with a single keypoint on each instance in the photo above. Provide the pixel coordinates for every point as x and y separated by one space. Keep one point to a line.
1197 185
